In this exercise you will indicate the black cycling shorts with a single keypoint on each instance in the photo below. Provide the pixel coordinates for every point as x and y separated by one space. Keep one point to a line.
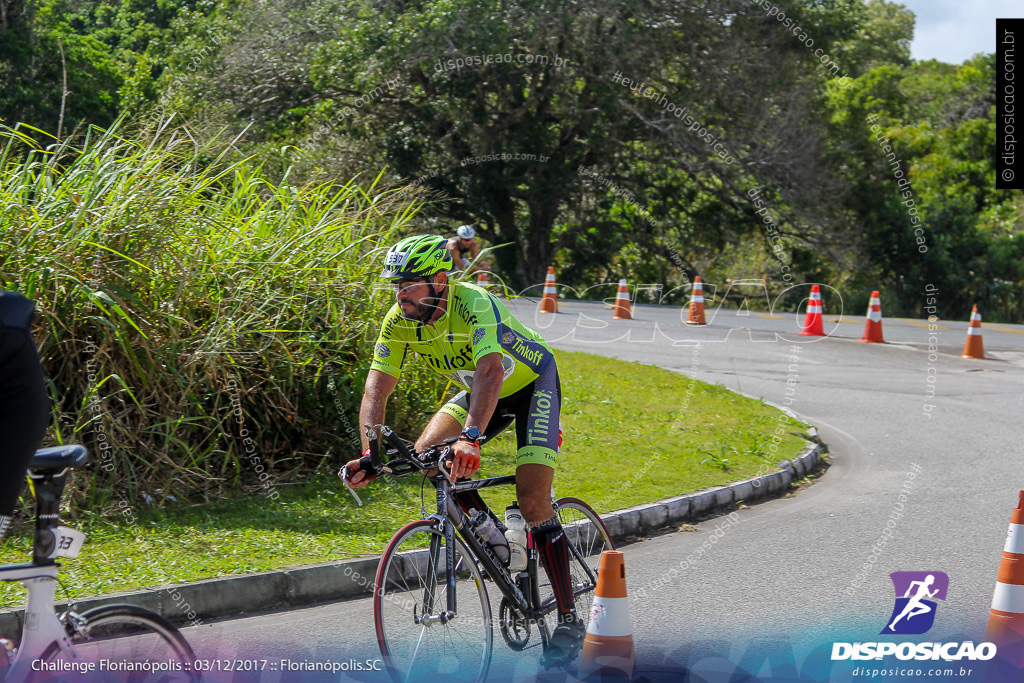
24 405
535 409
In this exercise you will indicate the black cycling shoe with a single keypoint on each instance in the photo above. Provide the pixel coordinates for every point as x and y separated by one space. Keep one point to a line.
565 644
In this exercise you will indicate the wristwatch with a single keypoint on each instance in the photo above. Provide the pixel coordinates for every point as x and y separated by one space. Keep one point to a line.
471 434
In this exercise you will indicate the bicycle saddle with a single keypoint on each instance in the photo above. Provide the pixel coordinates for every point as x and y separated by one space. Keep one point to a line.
59 457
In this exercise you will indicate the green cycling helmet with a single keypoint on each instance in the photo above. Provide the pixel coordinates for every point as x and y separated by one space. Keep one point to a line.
418 256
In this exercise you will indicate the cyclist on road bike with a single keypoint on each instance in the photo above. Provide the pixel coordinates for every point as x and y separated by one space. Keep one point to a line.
508 373
462 244
24 405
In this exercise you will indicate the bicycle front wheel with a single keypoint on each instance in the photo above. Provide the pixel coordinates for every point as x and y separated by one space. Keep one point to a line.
419 639
130 643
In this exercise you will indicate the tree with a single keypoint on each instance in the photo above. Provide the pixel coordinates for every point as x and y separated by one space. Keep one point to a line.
932 214
529 115
111 55
882 35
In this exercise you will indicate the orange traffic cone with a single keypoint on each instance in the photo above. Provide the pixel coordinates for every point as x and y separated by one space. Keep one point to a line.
873 325
622 308
549 304
481 279
973 347
813 324
696 314
608 645
1006 620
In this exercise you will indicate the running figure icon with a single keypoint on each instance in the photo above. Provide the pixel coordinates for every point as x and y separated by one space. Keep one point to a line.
916 596
915 606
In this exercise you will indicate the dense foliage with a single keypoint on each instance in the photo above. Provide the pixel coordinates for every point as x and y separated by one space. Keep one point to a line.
202 325
614 139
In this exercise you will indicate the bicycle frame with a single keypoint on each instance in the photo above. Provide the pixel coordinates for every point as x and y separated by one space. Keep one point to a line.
42 634
521 590
452 519
80 641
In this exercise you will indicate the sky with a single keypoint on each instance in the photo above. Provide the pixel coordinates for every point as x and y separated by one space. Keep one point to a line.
954 30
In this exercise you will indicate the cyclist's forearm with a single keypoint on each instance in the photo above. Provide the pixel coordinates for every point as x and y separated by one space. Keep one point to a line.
486 388
379 386
370 413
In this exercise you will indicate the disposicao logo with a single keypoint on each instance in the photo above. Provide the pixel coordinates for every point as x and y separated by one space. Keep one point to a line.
914 614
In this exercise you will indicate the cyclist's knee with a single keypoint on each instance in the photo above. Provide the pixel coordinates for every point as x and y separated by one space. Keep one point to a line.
533 489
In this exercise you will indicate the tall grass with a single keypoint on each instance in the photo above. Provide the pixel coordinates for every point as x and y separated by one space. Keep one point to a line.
203 327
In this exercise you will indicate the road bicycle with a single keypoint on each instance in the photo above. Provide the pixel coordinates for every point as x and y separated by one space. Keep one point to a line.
112 643
432 614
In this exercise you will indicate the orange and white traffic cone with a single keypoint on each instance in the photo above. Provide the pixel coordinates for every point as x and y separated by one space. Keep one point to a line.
1006 620
608 646
482 280
622 308
813 324
873 325
973 347
696 314
549 304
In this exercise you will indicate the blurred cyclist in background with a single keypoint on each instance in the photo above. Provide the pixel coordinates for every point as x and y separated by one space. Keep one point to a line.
24 405
463 244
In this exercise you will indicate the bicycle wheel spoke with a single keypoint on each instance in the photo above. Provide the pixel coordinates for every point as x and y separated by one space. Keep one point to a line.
415 653
587 538
127 644
419 639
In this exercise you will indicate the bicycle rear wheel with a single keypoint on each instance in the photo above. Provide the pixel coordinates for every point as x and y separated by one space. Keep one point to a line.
130 643
588 538
418 641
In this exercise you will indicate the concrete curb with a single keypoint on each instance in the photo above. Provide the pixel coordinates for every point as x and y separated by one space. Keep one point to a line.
691 507
232 596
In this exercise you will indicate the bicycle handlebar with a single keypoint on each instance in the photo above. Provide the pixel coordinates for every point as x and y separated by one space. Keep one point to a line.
408 460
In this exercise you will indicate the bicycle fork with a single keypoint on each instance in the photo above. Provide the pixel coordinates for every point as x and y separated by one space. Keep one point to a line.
430 589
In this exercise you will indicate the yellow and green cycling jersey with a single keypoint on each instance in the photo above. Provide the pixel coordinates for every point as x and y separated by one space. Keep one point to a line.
475 323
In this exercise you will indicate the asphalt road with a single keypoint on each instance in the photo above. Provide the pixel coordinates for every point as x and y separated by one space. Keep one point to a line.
791 576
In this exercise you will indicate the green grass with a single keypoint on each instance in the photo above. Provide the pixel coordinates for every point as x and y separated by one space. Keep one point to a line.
633 434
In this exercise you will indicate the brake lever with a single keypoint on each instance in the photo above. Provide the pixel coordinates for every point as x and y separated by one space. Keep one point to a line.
344 480
440 466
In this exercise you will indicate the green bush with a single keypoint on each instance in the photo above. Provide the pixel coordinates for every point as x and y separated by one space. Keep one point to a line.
204 329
